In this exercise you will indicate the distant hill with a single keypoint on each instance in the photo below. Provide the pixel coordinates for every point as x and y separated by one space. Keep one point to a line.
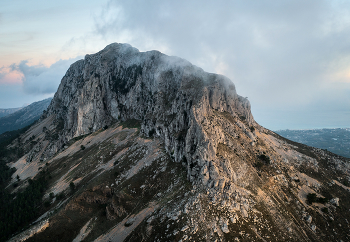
6 111
334 140
24 116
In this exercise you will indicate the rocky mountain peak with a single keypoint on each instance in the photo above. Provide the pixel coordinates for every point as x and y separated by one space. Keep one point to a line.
148 147
171 96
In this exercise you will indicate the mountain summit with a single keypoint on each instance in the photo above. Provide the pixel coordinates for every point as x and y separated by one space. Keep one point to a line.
141 146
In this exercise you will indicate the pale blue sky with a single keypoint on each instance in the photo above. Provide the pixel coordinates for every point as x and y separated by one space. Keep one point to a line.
290 58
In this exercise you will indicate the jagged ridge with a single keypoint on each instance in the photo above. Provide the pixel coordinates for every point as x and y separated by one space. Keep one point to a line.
169 95
247 183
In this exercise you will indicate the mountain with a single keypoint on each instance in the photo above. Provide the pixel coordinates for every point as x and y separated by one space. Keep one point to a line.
24 116
6 111
141 146
334 140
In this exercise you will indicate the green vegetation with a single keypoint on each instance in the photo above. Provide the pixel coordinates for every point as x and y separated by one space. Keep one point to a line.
242 118
72 186
126 78
263 161
312 198
72 141
60 124
7 138
264 158
258 164
17 210
20 209
131 123
5 173
60 196
151 132
181 136
325 210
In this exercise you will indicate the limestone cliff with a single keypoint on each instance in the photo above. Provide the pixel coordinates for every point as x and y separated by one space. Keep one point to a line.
172 98
140 146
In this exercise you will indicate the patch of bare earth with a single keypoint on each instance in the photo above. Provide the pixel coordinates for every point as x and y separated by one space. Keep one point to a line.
125 227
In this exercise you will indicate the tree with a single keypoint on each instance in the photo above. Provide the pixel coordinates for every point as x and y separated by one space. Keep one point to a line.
72 185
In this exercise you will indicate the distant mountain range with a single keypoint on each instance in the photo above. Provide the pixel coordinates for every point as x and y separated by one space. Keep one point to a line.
23 116
6 111
334 140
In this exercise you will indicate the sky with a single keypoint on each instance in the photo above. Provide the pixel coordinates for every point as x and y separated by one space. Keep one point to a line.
290 58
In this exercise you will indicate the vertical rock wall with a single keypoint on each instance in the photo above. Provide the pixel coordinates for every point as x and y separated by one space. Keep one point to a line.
169 95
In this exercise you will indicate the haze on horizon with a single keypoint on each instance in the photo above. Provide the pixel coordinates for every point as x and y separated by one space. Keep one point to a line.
290 58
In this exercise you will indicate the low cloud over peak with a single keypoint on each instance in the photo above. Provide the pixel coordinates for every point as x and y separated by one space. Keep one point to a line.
30 83
282 55
36 79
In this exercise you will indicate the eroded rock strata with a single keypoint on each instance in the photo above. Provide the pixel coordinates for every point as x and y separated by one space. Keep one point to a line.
159 150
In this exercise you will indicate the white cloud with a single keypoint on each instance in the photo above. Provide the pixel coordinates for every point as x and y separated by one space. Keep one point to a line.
39 79
283 55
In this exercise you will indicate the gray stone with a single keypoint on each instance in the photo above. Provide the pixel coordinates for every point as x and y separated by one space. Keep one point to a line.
170 95
335 201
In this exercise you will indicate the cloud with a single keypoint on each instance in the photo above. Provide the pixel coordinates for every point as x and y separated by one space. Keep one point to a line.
8 76
23 83
283 55
39 79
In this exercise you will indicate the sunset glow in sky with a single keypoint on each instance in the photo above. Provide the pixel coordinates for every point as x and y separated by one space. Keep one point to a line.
290 58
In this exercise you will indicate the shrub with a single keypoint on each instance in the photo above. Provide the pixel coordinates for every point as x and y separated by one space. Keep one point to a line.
311 198
325 210
82 147
322 200
258 164
72 185
131 123
151 132
59 196
264 158
60 124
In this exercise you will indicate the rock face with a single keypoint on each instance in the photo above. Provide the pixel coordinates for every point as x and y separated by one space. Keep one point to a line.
172 97
159 150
